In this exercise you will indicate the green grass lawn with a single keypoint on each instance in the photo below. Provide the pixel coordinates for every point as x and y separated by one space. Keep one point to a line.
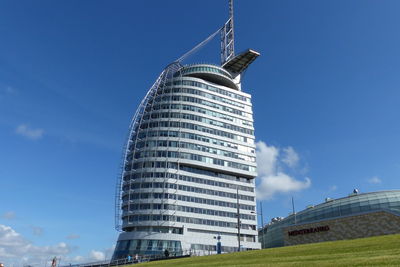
373 251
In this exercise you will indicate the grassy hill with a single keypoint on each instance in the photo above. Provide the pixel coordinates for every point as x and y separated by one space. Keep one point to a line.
374 251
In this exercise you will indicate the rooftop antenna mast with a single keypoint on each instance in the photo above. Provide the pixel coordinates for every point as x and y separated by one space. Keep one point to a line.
227 37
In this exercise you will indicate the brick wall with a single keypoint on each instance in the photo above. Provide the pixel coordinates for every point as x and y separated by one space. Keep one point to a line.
364 225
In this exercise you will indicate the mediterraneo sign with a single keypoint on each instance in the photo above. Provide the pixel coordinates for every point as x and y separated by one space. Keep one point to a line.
309 230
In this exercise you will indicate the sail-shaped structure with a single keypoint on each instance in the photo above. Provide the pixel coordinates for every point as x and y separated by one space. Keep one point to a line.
189 163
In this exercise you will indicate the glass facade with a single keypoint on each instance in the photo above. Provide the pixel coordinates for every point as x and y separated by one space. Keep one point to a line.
190 158
147 247
203 68
272 235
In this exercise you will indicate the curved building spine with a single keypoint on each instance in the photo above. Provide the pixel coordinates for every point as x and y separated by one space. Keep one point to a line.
190 163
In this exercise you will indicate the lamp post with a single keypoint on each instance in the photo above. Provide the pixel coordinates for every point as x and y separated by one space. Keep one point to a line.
261 215
262 220
219 247
294 212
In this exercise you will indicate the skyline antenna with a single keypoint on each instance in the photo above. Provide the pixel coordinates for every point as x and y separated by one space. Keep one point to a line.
228 37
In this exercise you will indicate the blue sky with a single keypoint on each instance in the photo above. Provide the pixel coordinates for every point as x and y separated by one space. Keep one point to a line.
325 94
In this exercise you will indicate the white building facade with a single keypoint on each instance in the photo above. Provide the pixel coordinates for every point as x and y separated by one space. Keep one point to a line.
189 161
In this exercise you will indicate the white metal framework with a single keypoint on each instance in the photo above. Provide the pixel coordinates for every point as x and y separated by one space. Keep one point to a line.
228 37
132 135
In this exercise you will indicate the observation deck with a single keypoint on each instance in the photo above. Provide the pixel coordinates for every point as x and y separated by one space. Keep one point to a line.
211 73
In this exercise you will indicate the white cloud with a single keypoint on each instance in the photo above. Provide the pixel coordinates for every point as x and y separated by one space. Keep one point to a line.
97 255
9 215
8 90
272 177
333 188
375 180
36 230
93 256
73 236
79 259
266 158
26 131
280 183
13 247
290 157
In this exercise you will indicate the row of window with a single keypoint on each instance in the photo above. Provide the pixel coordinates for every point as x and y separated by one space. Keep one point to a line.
151 164
208 87
192 117
186 178
169 106
215 183
191 220
192 126
195 157
156 229
179 91
214 174
191 146
188 69
146 244
176 166
149 206
186 188
206 201
192 136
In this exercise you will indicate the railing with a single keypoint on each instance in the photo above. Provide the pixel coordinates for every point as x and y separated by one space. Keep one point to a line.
139 259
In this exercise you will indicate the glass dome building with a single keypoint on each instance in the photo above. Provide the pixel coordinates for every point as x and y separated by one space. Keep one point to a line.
355 216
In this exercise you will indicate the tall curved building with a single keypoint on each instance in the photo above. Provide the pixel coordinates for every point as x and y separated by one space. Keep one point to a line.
190 164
